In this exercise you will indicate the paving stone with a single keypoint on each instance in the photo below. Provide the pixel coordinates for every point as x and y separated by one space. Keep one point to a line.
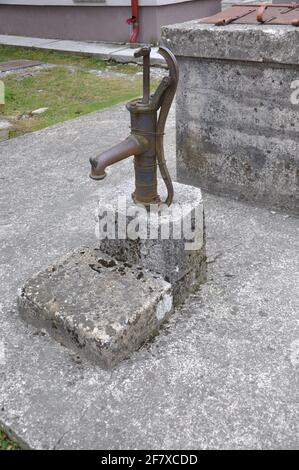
18 64
24 41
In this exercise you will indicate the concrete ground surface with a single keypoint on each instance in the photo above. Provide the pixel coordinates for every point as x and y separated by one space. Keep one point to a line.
222 372
118 52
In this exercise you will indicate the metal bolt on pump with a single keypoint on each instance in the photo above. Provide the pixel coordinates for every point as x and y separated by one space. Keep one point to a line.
145 143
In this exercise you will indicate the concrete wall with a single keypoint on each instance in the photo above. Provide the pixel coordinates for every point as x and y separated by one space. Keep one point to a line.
237 126
97 23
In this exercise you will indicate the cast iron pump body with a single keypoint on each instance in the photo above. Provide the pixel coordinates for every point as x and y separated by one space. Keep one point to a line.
145 143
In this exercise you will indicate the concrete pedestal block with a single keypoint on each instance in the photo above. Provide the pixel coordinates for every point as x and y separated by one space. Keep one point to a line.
237 110
98 307
166 241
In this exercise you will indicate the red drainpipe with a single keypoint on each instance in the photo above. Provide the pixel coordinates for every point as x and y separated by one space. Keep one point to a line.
134 21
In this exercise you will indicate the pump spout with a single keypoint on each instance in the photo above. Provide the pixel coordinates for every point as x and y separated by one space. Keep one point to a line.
132 145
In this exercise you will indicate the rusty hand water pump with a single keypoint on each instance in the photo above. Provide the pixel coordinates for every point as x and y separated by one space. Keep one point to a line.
145 143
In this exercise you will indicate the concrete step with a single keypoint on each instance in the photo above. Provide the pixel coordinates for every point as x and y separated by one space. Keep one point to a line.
119 52
100 308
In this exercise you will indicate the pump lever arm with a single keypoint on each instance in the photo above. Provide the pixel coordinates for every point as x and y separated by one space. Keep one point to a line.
166 98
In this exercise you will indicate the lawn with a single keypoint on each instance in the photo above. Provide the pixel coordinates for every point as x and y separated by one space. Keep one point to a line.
5 443
68 90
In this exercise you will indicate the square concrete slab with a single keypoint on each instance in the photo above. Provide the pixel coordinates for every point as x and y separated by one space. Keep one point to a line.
23 41
98 307
5 127
127 55
18 64
99 49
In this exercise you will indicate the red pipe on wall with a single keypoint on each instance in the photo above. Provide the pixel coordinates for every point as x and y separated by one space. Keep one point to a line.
134 21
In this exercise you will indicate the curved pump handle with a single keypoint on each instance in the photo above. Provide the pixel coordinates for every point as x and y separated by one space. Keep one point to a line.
164 97
171 62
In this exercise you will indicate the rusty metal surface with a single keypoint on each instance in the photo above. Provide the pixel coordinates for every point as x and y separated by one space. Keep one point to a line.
148 119
132 145
18 64
280 14
145 53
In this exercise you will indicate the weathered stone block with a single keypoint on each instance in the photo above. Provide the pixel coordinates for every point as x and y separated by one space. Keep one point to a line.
237 110
101 308
170 242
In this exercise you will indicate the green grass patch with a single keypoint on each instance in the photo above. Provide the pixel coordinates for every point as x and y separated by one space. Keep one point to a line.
6 443
64 58
67 93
